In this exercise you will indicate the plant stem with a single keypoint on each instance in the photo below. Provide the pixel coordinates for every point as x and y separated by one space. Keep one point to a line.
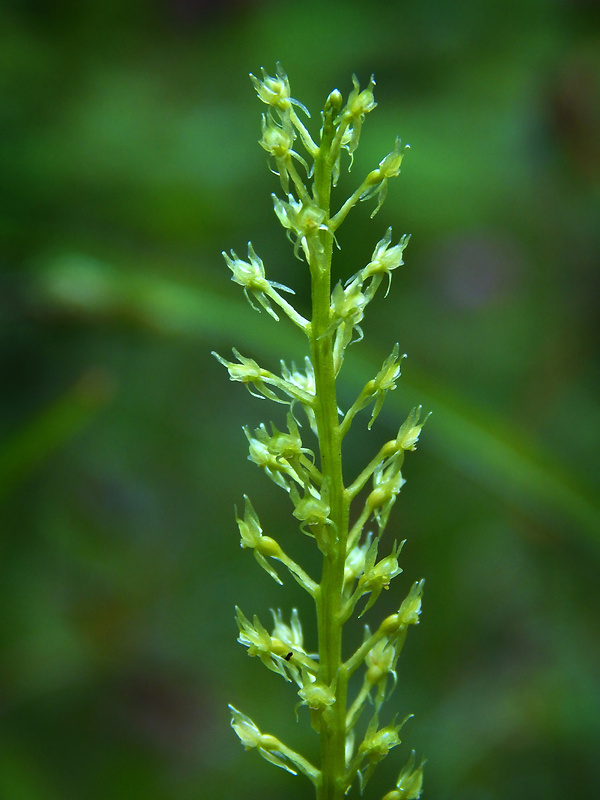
329 595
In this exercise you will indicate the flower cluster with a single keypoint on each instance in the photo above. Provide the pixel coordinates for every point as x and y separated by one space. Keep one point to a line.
312 476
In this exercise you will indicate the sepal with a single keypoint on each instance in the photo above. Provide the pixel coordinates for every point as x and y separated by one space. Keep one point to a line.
410 781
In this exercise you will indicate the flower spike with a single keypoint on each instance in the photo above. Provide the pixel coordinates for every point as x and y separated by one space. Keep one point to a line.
312 474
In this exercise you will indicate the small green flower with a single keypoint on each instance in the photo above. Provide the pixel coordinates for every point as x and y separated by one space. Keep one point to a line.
387 482
317 696
384 382
305 381
360 102
289 447
348 309
409 611
381 662
251 275
250 374
376 745
389 167
303 219
267 745
351 119
275 91
410 782
410 429
377 576
278 142
290 635
383 261
253 539
312 510
354 566
292 639
274 652
276 468
247 731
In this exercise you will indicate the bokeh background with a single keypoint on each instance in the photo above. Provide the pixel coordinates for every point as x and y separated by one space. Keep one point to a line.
128 162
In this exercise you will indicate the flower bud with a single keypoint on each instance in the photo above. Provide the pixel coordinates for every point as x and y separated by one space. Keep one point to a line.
333 102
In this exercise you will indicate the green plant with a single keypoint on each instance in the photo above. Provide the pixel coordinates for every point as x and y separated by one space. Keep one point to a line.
320 497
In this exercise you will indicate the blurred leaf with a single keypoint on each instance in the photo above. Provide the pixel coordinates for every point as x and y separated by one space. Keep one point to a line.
517 471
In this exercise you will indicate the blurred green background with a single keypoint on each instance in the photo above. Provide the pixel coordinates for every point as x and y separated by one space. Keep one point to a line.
128 162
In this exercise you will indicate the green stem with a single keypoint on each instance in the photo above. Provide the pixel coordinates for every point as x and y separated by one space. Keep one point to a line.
329 595
341 215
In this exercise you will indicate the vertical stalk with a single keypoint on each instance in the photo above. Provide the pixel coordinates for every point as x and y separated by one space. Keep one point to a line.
329 594
325 504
